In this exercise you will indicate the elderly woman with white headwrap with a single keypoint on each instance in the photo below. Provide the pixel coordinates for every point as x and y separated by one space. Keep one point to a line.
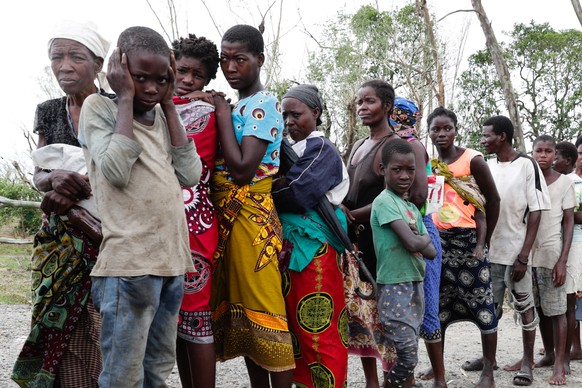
62 348
312 279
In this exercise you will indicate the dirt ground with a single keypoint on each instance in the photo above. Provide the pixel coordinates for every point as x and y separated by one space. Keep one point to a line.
463 342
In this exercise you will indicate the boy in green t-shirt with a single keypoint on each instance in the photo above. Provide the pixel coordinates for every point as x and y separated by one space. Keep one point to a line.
400 242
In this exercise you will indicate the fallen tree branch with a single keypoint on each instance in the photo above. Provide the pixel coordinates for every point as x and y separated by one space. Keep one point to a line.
9 240
7 202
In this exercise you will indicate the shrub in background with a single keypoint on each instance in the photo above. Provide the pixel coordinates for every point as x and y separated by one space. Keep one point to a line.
25 220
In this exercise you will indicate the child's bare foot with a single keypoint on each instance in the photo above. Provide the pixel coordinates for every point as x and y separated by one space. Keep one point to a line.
485 381
513 367
558 377
426 374
547 360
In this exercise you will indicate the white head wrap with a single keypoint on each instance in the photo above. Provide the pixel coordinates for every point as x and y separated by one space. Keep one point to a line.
86 34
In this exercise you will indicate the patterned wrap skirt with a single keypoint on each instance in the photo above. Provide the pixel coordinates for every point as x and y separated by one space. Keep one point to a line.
318 321
363 321
249 316
63 342
466 293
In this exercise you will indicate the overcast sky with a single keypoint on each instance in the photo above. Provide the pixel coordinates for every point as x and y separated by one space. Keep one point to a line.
26 25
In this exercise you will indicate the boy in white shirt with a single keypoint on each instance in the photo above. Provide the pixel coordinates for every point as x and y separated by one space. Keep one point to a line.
549 258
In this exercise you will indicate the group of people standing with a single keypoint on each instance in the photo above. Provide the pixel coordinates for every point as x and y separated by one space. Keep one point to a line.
185 232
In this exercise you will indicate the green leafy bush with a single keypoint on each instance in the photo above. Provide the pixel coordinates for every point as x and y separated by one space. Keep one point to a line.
24 220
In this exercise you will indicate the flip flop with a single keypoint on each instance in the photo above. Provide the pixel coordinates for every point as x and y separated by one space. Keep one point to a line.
522 379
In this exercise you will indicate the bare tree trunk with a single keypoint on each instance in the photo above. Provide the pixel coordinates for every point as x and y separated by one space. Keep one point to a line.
577 9
273 68
502 73
351 132
424 12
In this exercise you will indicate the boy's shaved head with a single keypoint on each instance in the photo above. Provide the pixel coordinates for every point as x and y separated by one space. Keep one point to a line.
140 38
396 146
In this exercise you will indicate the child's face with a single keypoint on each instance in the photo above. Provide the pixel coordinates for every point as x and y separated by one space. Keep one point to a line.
150 75
544 153
240 67
561 164
191 75
442 132
399 173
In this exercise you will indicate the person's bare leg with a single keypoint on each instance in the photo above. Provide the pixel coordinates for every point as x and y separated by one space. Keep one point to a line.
183 363
559 334
370 372
196 364
281 379
570 328
259 377
437 368
203 364
576 351
489 346
528 341
547 334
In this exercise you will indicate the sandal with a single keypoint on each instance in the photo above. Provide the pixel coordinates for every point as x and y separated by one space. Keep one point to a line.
523 379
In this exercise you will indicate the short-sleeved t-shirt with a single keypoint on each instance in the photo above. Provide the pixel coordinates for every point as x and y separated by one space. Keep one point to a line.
260 116
395 263
522 189
548 245
578 190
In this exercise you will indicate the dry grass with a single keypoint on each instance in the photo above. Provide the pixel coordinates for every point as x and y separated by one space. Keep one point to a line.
15 273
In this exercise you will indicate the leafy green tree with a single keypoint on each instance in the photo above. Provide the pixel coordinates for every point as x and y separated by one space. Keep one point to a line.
366 45
544 65
547 63
480 97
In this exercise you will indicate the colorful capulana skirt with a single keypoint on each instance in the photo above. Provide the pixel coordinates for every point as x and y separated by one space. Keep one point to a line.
249 310
194 319
62 260
318 321
363 321
465 292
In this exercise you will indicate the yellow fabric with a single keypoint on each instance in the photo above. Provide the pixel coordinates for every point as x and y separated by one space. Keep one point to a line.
249 310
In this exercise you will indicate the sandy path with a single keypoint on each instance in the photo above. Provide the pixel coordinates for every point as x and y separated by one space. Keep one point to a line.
463 342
